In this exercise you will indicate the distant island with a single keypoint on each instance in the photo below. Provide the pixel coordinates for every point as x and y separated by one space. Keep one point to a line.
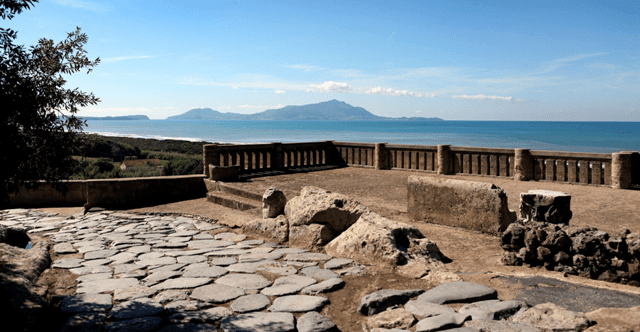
124 117
332 110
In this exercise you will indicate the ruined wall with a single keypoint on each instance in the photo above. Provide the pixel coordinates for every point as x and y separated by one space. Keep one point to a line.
45 195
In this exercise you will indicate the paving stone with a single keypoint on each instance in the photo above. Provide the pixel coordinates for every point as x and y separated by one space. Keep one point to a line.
286 250
151 255
250 267
251 242
315 322
248 303
140 249
427 309
181 305
398 330
170 245
203 226
203 236
379 301
165 268
337 263
353 271
84 321
281 270
230 237
96 262
441 322
392 318
288 285
204 244
96 276
182 283
191 259
130 293
500 326
100 253
203 316
458 291
157 261
298 303
492 309
259 322
67 263
136 308
86 302
326 286
142 324
217 293
125 268
187 252
227 252
183 233
91 270
172 295
244 281
188 328
64 248
307 257
318 273
106 285
301 264
551 317
209 272
255 257
223 261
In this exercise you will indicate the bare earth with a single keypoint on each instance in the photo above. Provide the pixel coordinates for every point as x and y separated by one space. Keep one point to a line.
475 257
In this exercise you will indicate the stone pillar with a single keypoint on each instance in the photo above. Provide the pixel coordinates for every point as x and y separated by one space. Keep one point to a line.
381 157
277 156
523 165
444 159
331 153
621 170
209 156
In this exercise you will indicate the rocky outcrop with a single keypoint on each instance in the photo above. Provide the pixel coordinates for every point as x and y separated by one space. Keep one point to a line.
276 229
317 216
544 205
273 203
550 317
584 251
374 239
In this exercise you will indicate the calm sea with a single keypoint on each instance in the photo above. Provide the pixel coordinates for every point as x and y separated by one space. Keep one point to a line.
559 136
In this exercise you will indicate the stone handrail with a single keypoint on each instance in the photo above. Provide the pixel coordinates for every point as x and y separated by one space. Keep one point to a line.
618 170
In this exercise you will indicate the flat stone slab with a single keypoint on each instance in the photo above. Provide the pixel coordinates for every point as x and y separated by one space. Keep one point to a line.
227 252
182 283
326 286
130 293
307 257
106 285
157 277
441 322
298 303
229 236
248 303
141 324
281 270
181 305
87 302
191 259
140 249
458 291
223 261
250 267
427 309
318 273
337 263
315 322
64 248
136 308
172 295
91 269
498 326
206 244
379 301
96 262
100 254
259 322
206 272
492 309
217 293
244 281
156 261
255 257
288 285
202 316
67 263
91 277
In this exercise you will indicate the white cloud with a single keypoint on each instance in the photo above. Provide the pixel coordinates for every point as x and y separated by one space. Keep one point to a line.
394 92
83 4
280 91
304 67
122 58
483 97
329 86
580 57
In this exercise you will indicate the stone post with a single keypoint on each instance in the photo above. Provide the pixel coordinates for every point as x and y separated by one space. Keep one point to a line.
523 165
209 156
621 170
331 153
277 156
444 159
381 156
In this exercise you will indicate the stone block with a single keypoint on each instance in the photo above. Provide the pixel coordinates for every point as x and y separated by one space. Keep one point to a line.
273 202
544 205
224 173
471 205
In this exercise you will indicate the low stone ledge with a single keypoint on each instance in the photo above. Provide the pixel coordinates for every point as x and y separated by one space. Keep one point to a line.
224 173
476 206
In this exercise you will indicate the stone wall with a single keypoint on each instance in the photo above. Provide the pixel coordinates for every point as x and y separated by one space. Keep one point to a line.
116 193
476 206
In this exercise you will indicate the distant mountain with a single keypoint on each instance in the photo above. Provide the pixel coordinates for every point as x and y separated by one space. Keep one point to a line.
332 110
125 117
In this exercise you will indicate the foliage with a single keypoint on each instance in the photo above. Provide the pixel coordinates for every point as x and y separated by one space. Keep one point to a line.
168 145
38 125
97 147
183 166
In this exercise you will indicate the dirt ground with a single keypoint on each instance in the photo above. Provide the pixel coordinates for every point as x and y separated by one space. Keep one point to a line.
475 257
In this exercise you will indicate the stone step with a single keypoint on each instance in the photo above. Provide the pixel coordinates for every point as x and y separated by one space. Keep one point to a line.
234 201
219 186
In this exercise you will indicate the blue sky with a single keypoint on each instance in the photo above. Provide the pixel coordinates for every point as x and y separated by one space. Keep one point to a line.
457 60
